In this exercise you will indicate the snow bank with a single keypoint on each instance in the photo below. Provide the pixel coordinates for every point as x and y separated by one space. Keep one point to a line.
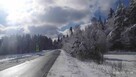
67 66
114 66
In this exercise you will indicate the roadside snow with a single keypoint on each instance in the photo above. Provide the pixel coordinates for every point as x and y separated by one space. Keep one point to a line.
114 66
121 65
67 66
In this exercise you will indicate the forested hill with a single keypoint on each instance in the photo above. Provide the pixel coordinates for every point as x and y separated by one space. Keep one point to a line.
18 44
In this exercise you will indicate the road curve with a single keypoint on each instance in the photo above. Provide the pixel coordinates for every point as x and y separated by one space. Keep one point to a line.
35 68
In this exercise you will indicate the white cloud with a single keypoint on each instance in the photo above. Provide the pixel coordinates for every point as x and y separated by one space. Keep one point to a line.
83 26
35 16
65 32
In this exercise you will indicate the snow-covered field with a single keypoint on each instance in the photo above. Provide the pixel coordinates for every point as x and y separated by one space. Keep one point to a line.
115 66
12 60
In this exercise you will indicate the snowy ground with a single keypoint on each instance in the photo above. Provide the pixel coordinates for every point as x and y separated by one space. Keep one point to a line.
12 60
115 66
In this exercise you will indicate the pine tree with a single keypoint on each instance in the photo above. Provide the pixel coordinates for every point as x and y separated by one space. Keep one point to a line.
120 15
132 12
71 30
110 15
37 48
114 38
101 23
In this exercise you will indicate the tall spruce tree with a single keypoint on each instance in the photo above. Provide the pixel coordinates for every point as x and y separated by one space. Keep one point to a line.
111 13
114 38
120 15
132 12
101 23
71 30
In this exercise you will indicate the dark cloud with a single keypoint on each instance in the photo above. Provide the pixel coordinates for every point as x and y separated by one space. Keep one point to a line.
48 30
57 16
62 15
45 1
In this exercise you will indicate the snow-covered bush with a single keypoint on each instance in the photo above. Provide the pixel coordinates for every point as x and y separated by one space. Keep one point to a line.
88 44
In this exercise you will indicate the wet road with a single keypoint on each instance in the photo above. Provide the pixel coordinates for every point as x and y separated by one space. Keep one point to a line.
34 68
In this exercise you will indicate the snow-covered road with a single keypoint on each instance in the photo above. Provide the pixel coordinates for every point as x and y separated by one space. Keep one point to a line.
7 61
34 68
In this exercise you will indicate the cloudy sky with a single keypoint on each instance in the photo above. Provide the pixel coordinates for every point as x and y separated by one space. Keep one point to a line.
48 17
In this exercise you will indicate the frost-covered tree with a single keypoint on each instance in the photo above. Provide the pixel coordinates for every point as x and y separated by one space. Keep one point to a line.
120 16
101 22
71 43
111 13
95 40
88 44
128 35
71 30
129 38
109 22
132 12
114 37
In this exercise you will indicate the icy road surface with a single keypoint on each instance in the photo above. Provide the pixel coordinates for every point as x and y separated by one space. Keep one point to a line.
34 68
7 61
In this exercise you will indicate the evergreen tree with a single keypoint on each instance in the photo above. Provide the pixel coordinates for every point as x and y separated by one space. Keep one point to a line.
101 23
18 44
110 15
114 37
71 30
132 12
120 15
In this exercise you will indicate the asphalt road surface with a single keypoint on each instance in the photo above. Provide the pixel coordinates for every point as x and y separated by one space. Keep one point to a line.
35 68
